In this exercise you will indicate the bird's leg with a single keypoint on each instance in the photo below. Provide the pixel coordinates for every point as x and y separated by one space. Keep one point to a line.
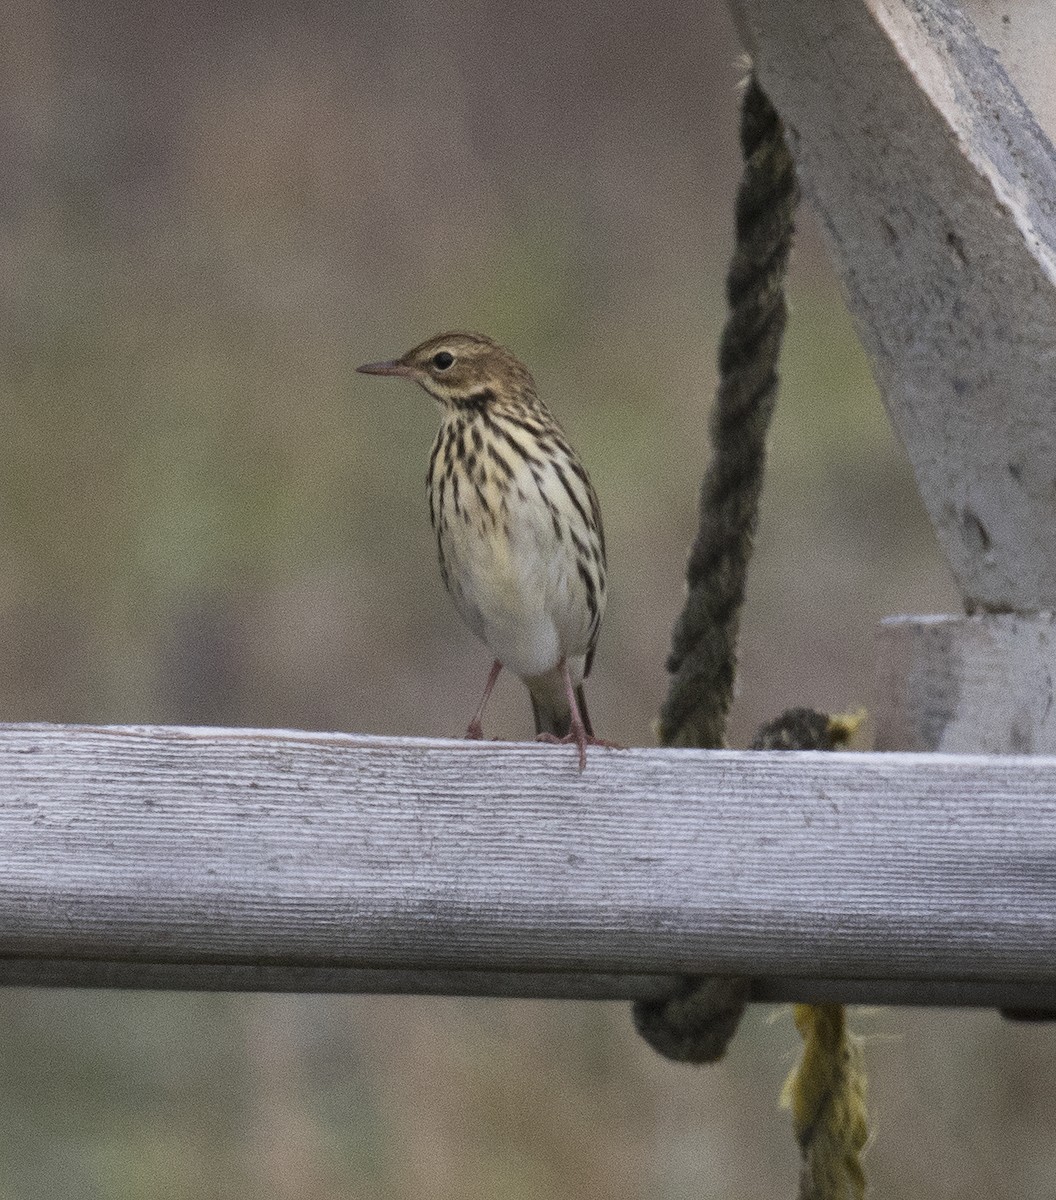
578 735
578 732
476 730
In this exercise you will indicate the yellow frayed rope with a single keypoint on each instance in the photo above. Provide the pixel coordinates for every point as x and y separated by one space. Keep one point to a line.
826 1091
826 1095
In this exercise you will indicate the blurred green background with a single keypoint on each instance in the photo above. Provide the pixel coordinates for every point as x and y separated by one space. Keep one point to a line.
207 218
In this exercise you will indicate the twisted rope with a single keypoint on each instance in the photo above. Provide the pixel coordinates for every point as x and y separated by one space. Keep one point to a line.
826 1094
697 1023
826 1091
703 654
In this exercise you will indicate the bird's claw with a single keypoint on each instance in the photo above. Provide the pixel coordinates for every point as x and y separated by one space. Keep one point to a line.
580 739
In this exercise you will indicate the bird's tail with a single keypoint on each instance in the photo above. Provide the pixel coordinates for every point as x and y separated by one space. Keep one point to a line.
552 714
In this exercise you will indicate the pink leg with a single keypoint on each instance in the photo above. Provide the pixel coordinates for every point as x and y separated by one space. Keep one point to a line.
577 735
476 729
579 730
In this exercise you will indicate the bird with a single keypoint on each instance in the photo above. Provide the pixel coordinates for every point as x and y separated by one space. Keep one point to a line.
518 526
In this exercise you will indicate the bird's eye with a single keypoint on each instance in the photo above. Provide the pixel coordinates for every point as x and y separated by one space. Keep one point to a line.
442 360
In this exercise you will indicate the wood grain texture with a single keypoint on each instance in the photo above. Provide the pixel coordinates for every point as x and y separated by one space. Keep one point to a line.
240 858
936 189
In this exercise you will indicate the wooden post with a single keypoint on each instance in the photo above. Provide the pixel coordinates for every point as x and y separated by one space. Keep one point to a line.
967 685
936 188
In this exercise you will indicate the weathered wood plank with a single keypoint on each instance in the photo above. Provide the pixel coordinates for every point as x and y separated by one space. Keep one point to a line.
1023 35
936 189
241 858
539 985
967 685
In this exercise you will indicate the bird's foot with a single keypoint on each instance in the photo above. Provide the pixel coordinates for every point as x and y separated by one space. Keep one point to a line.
475 732
579 738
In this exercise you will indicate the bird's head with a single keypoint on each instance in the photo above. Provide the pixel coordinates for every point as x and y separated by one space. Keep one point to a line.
461 370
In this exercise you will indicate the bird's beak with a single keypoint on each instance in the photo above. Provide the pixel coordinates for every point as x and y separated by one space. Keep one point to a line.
393 367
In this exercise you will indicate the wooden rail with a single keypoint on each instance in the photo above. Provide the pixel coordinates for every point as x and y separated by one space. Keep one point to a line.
274 860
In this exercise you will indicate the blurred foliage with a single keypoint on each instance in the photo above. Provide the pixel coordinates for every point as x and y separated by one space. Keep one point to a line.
208 217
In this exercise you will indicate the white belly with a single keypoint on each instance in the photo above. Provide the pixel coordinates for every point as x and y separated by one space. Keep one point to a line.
516 583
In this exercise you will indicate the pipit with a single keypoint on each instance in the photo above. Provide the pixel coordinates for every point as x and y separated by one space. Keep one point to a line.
518 527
